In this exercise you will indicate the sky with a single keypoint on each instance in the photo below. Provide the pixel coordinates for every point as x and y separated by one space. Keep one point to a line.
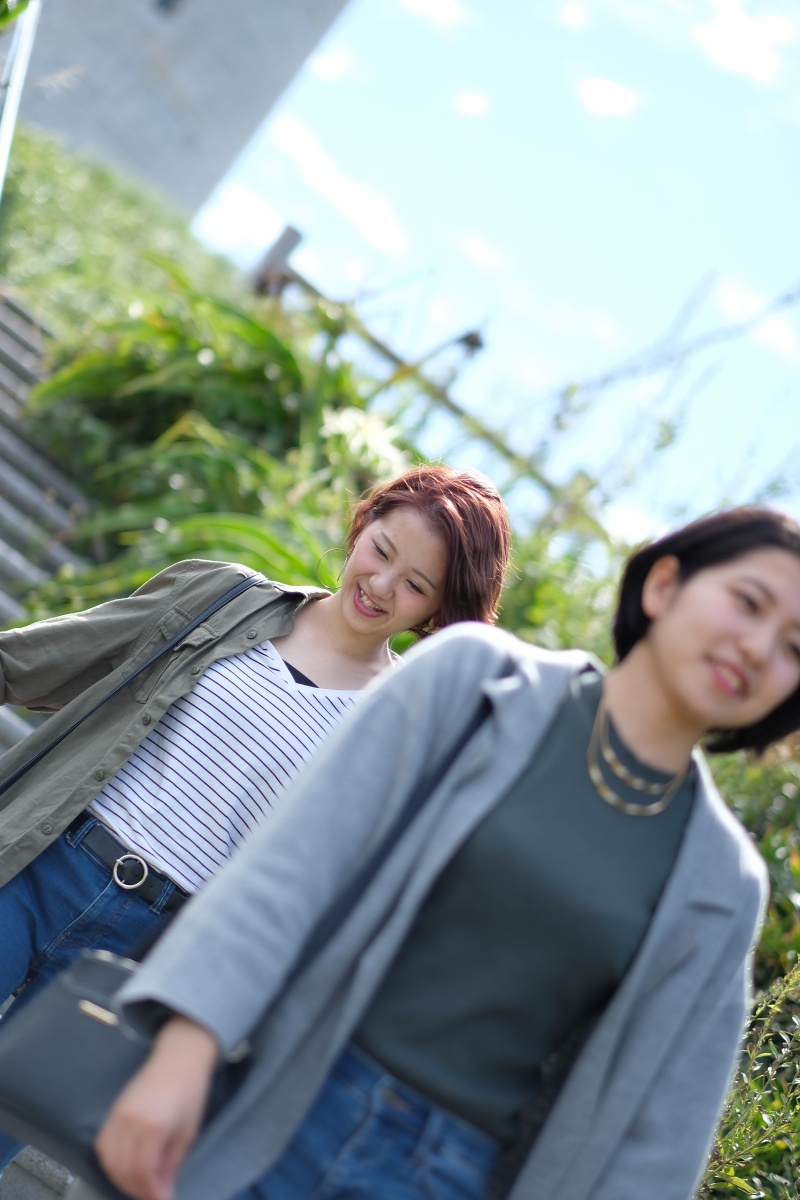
581 182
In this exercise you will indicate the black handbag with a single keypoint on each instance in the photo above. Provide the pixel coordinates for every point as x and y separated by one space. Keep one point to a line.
65 1057
69 1052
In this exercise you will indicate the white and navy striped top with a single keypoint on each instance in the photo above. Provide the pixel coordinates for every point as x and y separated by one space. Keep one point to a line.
217 762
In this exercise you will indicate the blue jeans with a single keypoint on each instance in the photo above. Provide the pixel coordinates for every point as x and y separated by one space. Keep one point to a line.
369 1135
63 902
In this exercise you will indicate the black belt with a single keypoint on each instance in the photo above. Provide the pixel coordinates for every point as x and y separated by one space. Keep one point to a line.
129 870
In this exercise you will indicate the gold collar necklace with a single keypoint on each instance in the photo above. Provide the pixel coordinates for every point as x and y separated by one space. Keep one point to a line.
600 741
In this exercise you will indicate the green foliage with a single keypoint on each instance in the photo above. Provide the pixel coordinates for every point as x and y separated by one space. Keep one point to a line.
557 596
75 238
757 1153
765 795
198 405
10 10
192 354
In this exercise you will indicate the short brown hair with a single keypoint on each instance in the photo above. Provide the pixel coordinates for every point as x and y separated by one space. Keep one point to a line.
468 512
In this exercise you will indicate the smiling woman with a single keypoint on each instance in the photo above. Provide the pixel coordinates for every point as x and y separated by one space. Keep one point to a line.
167 780
424 551
745 574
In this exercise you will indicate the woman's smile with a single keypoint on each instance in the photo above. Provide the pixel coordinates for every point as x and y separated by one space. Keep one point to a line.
729 678
365 605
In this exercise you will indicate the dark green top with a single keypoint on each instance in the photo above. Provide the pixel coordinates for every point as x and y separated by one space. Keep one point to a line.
528 930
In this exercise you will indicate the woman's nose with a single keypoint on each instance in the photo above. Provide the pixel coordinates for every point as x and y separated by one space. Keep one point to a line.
381 581
759 641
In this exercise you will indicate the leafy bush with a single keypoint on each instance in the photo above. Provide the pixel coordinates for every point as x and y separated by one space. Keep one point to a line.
75 238
10 10
757 1152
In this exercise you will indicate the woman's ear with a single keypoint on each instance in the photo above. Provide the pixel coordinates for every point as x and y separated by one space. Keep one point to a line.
430 626
660 586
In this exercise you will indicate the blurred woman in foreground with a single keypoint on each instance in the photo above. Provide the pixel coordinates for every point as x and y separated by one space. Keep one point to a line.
544 988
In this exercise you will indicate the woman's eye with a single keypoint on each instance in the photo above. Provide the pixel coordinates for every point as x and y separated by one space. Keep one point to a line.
415 587
747 601
379 550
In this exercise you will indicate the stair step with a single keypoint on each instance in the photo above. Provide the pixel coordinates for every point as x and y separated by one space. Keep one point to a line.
27 318
33 1176
26 333
27 364
36 467
37 544
32 501
16 569
10 609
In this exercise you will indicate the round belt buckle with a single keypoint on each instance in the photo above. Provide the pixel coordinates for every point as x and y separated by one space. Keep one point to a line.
129 887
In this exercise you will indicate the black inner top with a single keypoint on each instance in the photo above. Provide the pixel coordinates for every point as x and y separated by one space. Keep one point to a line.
298 676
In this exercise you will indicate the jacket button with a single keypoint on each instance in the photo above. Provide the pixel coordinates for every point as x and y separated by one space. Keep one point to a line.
146 719
195 670
251 633
47 828
100 773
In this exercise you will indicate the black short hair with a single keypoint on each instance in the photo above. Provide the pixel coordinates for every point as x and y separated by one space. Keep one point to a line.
708 542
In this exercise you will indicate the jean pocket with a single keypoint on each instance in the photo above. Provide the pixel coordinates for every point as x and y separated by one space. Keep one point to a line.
447 1174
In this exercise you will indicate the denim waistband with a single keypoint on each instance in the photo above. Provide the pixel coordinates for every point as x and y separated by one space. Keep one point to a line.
357 1068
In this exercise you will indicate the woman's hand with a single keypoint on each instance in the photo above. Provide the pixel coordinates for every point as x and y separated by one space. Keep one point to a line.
155 1119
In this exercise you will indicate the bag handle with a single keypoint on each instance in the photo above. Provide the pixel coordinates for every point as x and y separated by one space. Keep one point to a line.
207 612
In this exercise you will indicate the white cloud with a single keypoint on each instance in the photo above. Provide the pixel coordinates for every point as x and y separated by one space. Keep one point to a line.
776 333
367 209
626 523
607 98
745 45
575 16
441 313
481 252
738 302
237 222
594 325
307 261
520 300
331 65
471 104
603 329
356 269
532 373
441 12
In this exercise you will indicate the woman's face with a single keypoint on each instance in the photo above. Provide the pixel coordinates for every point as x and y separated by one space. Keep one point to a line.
726 643
394 577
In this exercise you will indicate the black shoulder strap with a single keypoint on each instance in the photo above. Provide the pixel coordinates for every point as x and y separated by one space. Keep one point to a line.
215 606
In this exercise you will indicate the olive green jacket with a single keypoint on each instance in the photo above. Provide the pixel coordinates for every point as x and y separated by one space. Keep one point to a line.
66 664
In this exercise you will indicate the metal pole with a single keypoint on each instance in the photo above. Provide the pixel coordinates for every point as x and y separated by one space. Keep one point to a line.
14 72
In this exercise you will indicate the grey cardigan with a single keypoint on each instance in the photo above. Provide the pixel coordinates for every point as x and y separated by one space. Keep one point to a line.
636 1115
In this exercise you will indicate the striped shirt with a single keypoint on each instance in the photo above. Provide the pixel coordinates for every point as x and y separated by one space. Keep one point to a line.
216 763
